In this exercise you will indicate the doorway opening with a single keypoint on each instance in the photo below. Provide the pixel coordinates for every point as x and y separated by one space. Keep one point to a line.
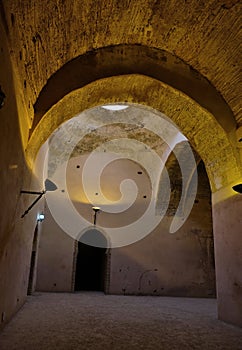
32 270
91 262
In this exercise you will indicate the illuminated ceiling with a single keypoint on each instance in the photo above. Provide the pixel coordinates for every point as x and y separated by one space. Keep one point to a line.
180 58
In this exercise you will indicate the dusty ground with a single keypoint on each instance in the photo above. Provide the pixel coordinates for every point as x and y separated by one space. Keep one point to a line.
97 321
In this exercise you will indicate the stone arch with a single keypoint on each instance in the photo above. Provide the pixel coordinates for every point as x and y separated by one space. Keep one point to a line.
200 127
102 241
133 59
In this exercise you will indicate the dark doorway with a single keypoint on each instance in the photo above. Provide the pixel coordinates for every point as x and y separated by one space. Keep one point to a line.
33 262
91 262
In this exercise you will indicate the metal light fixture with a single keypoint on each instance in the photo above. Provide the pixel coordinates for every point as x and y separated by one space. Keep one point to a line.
40 217
49 187
96 210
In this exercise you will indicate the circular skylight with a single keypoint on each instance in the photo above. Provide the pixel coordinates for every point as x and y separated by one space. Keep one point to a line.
115 107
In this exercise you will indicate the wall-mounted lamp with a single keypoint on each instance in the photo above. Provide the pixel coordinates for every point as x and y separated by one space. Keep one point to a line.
237 188
40 217
96 210
2 97
49 187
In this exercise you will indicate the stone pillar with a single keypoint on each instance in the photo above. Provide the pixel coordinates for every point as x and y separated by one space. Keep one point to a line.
227 221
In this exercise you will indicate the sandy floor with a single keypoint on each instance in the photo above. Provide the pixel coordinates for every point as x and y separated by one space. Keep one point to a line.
98 321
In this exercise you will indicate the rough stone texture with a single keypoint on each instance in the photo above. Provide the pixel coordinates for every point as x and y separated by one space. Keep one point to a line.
133 59
39 37
45 35
96 321
15 234
206 136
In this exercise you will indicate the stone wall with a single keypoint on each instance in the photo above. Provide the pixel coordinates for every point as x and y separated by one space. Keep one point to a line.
16 234
179 264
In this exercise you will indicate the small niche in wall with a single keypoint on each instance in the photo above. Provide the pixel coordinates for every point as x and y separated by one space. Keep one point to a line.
12 19
3 316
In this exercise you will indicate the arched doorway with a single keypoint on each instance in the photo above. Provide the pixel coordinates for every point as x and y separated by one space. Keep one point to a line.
91 261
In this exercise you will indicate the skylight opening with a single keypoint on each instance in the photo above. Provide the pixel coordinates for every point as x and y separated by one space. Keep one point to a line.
115 107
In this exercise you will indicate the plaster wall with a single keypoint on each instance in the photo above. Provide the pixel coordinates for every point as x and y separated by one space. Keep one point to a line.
55 259
16 234
179 264
228 249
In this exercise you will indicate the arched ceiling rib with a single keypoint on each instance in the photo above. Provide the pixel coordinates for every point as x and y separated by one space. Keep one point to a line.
45 35
200 127
135 59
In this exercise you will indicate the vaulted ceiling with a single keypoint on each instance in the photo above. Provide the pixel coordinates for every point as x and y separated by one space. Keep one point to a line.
44 35
61 47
